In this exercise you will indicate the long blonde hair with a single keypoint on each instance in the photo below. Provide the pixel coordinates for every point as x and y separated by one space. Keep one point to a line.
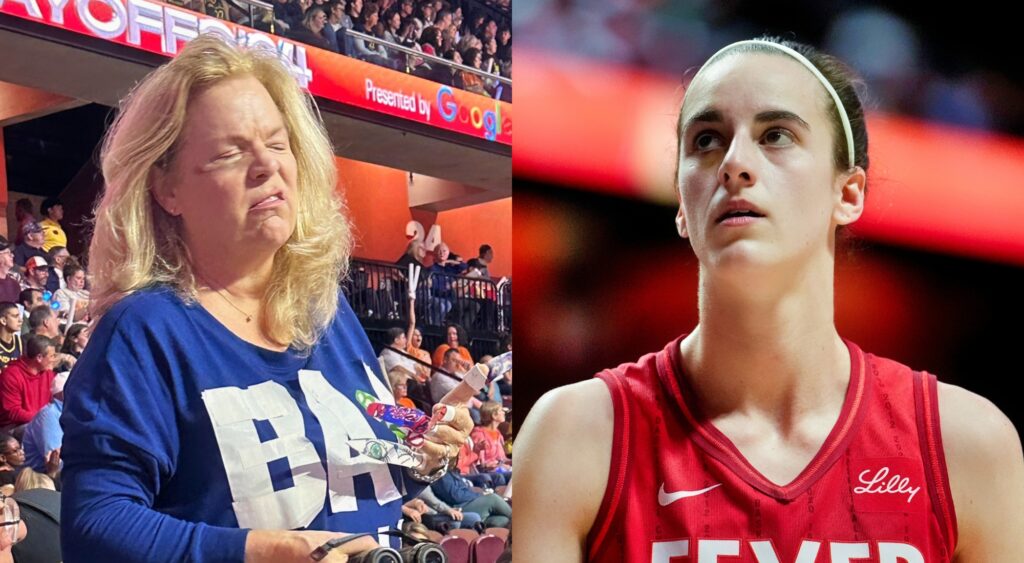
136 244
29 479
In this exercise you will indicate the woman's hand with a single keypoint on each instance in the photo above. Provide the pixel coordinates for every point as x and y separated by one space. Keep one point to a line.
412 513
273 546
442 443
53 463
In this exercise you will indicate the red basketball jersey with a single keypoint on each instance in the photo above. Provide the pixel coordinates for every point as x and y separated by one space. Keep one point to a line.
679 491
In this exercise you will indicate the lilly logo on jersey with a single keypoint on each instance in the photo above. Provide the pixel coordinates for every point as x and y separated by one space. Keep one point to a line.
711 551
877 484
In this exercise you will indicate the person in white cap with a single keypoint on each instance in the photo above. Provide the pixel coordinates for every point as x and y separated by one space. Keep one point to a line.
37 272
43 434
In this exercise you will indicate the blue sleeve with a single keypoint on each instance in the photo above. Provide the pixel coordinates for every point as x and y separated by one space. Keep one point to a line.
49 431
451 490
120 443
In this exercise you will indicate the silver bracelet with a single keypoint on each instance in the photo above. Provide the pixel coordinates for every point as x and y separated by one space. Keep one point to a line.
433 475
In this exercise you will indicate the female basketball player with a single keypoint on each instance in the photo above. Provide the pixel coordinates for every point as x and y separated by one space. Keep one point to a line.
762 435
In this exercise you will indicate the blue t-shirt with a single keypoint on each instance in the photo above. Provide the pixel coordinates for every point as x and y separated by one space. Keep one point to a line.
178 435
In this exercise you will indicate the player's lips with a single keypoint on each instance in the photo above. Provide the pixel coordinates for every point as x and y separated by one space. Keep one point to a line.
738 212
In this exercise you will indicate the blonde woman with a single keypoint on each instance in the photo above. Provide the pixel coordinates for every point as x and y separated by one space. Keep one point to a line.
212 410
30 479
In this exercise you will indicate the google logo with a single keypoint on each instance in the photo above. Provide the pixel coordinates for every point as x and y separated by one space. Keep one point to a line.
490 120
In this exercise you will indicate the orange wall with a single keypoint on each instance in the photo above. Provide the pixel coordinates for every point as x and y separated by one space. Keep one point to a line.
378 204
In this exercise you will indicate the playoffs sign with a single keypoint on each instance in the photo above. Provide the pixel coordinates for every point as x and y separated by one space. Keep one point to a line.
162 29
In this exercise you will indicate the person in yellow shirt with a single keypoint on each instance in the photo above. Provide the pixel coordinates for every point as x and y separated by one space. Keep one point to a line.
53 211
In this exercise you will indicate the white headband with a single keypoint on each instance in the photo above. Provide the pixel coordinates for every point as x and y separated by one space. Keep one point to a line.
817 74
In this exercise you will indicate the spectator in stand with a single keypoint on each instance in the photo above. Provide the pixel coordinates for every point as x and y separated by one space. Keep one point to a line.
37 273
74 292
23 213
29 479
441 384
10 333
12 458
33 245
368 50
53 234
426 14
415 339
442 278
443 21
29 299
393 362
286 13
430 41
452 342
457 491
440 517
10 281
485 256
311 30
75 340
471 81
393 28
489 30
25 384
405 8
504 52
473 296
241 260
58 259
335 16
400 389
43 321
488 443
43 434
351 18
415 253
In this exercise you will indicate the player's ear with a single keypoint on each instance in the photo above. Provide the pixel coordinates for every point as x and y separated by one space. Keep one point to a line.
681 223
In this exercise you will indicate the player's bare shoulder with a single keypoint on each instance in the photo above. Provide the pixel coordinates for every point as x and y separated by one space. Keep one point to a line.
563 455
986 475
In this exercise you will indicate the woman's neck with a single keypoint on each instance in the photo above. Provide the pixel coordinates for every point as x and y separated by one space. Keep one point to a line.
769 346
245 280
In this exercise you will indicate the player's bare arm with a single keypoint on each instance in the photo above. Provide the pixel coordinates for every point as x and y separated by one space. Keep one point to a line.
986 475
563 455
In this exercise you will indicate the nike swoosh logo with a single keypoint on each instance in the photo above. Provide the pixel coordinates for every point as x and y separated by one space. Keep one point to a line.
665 499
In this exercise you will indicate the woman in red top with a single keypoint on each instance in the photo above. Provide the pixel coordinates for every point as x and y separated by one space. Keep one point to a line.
762 435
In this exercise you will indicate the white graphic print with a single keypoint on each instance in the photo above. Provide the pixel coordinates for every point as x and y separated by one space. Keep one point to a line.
234 412
712 551
895 484
342 420
256 503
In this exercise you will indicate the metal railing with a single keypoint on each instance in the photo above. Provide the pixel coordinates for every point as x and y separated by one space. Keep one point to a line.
379 292
427 57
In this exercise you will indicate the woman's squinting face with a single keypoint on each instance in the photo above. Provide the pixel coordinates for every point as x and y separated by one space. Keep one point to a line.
755 128
453 337
233 179
417 338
